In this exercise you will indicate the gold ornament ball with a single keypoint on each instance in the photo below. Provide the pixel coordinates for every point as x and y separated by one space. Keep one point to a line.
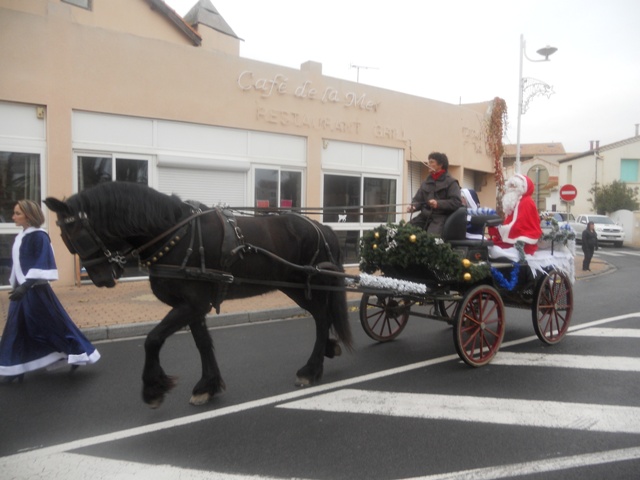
467 277
376 235
374 246
466 263
413 238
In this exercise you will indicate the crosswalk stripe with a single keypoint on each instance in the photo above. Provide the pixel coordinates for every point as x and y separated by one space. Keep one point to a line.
502 411
538 466
610 254
636 254
585 362
609 332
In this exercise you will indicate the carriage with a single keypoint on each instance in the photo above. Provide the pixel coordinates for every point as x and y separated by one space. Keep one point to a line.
198 256
471 298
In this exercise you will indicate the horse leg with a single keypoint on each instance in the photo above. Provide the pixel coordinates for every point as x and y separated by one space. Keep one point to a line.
329 309
211 381
156 383
312 371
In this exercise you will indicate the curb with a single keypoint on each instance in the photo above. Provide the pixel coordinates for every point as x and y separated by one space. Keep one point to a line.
588 276
116 332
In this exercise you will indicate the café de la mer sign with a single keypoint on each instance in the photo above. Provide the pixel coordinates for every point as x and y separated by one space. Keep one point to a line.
279 85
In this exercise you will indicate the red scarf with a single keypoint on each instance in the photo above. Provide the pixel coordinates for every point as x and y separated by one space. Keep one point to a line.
438 174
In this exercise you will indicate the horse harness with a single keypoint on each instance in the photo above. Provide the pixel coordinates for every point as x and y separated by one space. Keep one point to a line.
233 248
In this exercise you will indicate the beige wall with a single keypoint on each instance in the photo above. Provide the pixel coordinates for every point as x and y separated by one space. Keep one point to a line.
126 58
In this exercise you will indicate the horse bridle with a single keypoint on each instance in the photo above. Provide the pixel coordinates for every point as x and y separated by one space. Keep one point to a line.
87 242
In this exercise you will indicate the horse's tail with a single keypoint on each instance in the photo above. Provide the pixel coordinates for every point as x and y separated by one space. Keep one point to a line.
339 309
337 300
341 326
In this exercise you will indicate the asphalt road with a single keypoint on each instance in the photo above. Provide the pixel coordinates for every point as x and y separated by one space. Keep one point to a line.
405 409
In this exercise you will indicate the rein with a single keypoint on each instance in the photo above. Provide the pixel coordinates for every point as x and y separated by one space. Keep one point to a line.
88 242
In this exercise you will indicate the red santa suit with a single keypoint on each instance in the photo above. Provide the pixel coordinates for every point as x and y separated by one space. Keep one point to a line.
522 222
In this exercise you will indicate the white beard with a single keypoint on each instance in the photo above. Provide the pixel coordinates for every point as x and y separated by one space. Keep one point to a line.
509 201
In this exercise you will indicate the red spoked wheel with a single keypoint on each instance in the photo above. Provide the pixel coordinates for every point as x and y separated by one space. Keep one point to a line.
384 317
553 307
479 327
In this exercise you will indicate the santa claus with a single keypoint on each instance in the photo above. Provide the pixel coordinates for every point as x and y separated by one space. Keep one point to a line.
522 221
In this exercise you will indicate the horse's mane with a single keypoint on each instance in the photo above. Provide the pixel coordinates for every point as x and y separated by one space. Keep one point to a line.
123 209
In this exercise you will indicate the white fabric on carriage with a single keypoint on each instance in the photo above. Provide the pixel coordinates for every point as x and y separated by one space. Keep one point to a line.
561 259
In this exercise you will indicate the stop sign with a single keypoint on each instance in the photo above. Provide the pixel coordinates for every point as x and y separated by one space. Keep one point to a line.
568 192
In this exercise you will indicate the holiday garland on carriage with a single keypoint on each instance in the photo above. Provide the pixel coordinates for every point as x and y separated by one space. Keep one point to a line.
559 233
401 247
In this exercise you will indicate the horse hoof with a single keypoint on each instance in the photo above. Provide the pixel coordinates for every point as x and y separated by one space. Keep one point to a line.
154 404
302 382
200 399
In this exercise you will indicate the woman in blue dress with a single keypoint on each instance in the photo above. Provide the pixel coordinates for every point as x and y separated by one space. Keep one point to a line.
39 333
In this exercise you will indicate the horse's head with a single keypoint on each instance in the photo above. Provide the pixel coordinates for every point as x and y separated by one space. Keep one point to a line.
103 262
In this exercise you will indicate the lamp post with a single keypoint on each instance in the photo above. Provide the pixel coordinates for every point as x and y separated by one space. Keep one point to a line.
535 87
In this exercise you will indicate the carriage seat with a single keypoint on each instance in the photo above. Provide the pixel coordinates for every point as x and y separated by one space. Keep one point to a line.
455 228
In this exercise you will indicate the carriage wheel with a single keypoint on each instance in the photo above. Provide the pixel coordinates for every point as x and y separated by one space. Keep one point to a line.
479 327
384 317
551 313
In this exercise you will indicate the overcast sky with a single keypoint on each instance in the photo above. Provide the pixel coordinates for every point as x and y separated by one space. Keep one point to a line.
465 51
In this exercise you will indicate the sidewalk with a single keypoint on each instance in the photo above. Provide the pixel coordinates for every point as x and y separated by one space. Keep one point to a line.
130 309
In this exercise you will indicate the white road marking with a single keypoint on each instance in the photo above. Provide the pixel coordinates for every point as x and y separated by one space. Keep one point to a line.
538 466
43 459
70 466
610 254
586 362
501 411
610 332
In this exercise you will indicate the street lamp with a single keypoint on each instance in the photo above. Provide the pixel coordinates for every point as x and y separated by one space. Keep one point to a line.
534 87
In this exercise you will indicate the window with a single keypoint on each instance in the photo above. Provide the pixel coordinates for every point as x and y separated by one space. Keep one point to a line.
19 179
341 199
357 200
345 198
276 188
93 170
80 3
629 170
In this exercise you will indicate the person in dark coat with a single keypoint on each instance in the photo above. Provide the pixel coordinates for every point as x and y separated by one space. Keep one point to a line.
438 197
589 245
39 333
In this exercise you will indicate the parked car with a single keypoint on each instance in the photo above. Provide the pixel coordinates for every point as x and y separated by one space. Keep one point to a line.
561 217
606 229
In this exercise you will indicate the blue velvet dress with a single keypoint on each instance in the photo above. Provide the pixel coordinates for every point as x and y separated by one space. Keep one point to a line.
39 333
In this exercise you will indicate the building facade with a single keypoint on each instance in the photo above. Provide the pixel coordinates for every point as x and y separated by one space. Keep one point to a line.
602 165
127 90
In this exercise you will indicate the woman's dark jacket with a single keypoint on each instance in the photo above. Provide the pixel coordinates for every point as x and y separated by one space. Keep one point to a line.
589 240
446 190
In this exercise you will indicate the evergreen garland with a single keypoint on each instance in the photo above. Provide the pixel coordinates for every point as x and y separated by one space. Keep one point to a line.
405 246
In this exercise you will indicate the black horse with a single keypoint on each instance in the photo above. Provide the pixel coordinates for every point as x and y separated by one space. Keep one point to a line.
196 257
